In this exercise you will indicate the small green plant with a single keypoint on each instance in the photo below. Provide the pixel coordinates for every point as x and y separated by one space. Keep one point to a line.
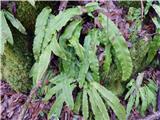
6 35
78 63
141 96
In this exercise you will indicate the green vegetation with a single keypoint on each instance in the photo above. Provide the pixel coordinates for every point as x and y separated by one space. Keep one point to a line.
27 65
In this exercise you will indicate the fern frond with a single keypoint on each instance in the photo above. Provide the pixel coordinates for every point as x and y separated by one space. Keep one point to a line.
41 66
40 30
15 22
74 41
94 107
85 105
130 105
63 94
56 108
108 58
90 7
5 33
100 104
78 102
119 45
111 100
146 94
157 9
153 48
90 45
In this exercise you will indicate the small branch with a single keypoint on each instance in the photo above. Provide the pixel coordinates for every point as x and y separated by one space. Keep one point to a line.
25 106
63 5
154 116
158 98
142 9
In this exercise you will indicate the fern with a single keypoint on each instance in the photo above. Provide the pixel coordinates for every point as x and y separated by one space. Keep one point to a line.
119 45
6 35
32 2
85 110
157 9
97 94
63 93
137 92
78 63
41 23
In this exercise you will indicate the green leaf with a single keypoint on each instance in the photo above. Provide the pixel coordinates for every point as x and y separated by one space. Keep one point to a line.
156 22
143 98
32 2
131 90
152 85
56 107
74 41
119 45
40 29
41 66
69 30
63 17
15 22
153 48
48 35
90 45
63 90
108 58
85 105
157 9
93 60
5 33
149 95
91 6
52 91
137 99
78 102
100 104
84 66
130 105
94 107
56 49
111 100
67 93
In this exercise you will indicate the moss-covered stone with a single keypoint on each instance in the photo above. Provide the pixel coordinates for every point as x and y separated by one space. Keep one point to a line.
131 3
27 14
17 62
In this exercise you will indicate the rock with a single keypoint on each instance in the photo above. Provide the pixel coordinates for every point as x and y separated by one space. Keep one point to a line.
16 63
27 14
127 4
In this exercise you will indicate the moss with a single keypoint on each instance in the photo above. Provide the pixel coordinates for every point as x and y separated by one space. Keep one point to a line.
132 3
27 14
17 62
138 53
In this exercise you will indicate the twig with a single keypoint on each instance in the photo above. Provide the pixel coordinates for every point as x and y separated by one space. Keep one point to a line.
25 106
63 5
154 116
158 98
142 9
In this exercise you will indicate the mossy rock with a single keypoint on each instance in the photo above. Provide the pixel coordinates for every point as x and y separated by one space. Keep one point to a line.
16 63
27 14
131 3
